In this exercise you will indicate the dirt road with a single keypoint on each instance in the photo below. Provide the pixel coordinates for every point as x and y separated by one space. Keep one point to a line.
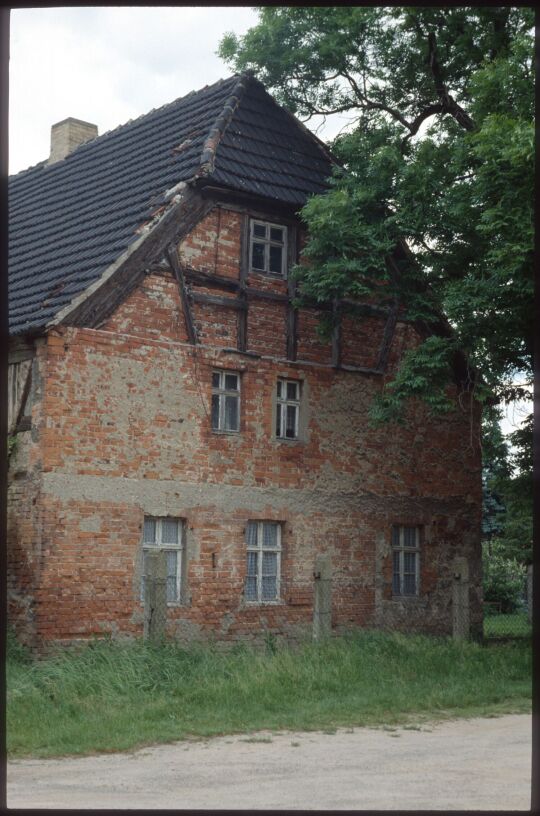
477 764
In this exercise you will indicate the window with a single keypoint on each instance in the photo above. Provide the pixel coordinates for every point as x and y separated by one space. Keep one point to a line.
268 248
288 409
166 535
405 553
225 401
263 540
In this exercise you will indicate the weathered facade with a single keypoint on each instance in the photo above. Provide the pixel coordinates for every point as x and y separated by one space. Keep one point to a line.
181 401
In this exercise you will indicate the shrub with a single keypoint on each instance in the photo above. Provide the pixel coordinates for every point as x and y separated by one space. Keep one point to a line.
504 578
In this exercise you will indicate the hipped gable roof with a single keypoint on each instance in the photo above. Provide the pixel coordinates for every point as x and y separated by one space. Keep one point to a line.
71 221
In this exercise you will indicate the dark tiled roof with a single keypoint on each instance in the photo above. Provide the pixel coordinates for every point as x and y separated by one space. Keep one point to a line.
69 221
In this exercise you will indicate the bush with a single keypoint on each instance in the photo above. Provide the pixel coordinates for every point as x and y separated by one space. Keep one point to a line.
504 578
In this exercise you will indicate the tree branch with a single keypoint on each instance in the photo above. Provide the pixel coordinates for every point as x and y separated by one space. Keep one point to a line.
449 104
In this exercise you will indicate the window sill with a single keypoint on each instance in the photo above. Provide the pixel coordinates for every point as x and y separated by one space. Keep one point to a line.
276 275
284 439
278 602
225 433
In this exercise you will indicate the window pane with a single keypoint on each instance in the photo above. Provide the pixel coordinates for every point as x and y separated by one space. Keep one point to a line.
292 390
290 432
172 574
409 562
276 234
395 536
215 412
251 534
279 385
410 536
169 531
231 413
259 230
231 382
215 379
276 254
252 561
149 533
409 584
251 588
270 535
257 256
172 589
269 564
395 578
269 589
279 430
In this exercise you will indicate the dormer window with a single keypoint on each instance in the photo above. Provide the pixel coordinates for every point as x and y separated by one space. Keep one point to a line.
268 248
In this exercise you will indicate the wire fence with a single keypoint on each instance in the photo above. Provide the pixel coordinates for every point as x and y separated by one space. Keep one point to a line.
498 622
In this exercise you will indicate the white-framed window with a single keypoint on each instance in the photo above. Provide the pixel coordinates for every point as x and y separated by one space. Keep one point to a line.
268 248
225 401
406 560
287 409
263 541
167 535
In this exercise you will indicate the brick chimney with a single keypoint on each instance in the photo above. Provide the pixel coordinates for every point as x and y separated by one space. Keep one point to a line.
67 135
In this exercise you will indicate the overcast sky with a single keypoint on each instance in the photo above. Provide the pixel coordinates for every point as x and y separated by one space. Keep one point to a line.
107 65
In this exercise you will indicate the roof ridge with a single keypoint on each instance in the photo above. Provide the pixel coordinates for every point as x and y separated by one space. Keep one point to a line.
215 134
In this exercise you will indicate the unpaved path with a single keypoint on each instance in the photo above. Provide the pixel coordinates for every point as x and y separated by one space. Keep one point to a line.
476 764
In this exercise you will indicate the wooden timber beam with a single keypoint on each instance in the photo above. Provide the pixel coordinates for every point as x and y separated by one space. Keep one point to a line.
214 300
242 326
172 257
292 312
336 333
388 336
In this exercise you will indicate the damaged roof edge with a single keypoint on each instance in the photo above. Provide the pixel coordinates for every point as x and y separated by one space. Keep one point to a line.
215 134
166 215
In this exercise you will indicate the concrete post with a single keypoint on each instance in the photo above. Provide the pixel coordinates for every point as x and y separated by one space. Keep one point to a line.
322 601
460 599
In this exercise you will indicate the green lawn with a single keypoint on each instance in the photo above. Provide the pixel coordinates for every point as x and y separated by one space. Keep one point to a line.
112 697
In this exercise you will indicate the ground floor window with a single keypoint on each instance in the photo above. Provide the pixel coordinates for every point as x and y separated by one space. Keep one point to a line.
263 541
164 535
406 560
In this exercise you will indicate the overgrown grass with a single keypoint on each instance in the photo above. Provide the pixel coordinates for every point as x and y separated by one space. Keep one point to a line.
112 697
515 625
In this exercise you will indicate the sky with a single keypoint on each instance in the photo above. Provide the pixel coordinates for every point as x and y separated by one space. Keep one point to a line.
107 65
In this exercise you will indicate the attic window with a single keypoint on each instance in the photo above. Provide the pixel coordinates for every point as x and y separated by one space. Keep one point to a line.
268 248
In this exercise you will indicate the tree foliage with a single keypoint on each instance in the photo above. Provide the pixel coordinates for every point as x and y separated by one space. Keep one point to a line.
440 154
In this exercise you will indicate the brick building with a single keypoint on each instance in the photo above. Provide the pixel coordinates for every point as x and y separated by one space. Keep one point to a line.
167 394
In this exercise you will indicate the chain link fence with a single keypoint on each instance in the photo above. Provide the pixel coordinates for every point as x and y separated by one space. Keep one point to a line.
155 596
498 622
506 621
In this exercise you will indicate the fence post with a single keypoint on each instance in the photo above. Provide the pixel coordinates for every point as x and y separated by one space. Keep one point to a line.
322 601
460 599
529 592
155 596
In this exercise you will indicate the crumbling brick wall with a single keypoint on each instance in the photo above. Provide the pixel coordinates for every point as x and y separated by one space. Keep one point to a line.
127 434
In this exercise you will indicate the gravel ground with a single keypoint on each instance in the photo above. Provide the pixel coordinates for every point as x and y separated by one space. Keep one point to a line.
476 764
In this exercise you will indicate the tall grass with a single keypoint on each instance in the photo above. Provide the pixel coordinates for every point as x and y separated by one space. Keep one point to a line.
111 696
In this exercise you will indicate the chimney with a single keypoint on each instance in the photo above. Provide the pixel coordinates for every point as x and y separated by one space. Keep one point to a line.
67 135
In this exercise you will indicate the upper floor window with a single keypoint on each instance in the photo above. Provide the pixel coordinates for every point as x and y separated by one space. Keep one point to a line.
164 535
268 248
225 401
288 409
405 555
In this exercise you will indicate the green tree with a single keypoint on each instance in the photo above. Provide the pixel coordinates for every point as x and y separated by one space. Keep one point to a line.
440 156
